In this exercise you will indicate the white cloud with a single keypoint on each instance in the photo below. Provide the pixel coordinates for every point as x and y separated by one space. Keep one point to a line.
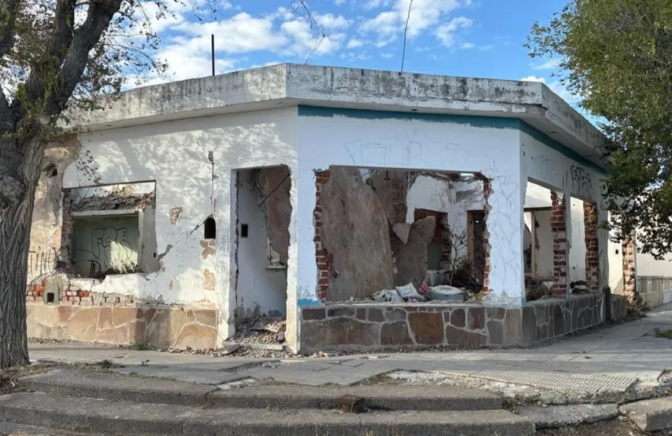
445 33
305 42
425 15
339 2
533 79
467 46
354 43
332 22
241 33
387 55
183 63
551 64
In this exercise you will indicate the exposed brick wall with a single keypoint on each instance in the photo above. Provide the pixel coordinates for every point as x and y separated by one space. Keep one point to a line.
559 230
35 292
322 257
629 279
487 190
590 221
74 296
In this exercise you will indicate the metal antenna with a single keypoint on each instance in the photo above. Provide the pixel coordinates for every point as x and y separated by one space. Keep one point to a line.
212 44
403 54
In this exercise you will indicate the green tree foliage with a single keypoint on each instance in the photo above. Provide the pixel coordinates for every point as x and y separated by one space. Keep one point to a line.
617 55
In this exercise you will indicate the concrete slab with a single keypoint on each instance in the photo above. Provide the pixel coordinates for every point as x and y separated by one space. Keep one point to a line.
562 416
94 384
133 418
650 415
376 397
206 377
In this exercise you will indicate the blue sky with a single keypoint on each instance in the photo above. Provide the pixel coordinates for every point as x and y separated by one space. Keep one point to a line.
480 38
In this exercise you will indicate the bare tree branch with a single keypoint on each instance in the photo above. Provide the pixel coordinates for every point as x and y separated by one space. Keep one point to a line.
99 15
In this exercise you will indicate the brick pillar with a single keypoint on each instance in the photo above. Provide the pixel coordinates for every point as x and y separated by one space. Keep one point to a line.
629 279
559 230
592 246
322 257
487 190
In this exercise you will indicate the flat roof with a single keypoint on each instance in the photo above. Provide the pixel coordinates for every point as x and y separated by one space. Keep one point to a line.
291 84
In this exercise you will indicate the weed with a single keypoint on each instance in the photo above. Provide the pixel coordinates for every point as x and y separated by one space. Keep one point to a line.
667 334
141 346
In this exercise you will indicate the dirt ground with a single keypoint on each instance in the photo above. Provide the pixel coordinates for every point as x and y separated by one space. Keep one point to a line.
605 428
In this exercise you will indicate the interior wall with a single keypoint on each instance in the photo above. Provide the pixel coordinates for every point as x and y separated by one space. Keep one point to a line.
544 253
259 290
577 250
104 243
454 198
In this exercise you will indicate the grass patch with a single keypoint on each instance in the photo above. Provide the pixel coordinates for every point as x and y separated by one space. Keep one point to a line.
665 334
140 346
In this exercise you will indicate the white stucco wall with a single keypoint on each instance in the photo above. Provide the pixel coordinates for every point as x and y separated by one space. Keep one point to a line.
440 144
259 290
545 164
176 155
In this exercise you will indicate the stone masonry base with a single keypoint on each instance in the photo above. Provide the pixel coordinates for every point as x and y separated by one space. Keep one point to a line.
416 326
161 327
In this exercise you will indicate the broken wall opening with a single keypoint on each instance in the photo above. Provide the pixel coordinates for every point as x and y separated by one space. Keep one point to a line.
539 241
262 211
110 229
378 230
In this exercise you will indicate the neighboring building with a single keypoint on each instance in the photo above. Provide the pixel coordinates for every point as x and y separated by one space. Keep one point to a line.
635 273
182 209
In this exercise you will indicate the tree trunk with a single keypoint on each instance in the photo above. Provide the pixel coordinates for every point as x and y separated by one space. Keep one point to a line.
15 223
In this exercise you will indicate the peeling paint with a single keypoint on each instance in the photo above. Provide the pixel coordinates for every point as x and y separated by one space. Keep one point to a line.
175 215
209 280
208 248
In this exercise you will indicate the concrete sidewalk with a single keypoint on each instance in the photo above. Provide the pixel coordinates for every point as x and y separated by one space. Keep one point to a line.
612 363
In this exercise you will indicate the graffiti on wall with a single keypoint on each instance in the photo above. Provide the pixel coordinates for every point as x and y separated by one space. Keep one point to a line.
582 183
42 262
111 249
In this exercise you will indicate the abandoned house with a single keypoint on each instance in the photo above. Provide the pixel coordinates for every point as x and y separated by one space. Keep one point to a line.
370 209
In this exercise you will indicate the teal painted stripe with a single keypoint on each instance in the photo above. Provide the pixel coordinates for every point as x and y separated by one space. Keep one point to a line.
559 147
493 122
475 121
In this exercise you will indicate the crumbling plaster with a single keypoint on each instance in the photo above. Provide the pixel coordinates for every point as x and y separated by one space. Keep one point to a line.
45 233
184 158
418 142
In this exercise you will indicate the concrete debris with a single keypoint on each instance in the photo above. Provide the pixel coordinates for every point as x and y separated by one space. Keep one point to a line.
562 416
402 231
409 293
650 415
114 201
446 293
411 257
269 325
390 296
